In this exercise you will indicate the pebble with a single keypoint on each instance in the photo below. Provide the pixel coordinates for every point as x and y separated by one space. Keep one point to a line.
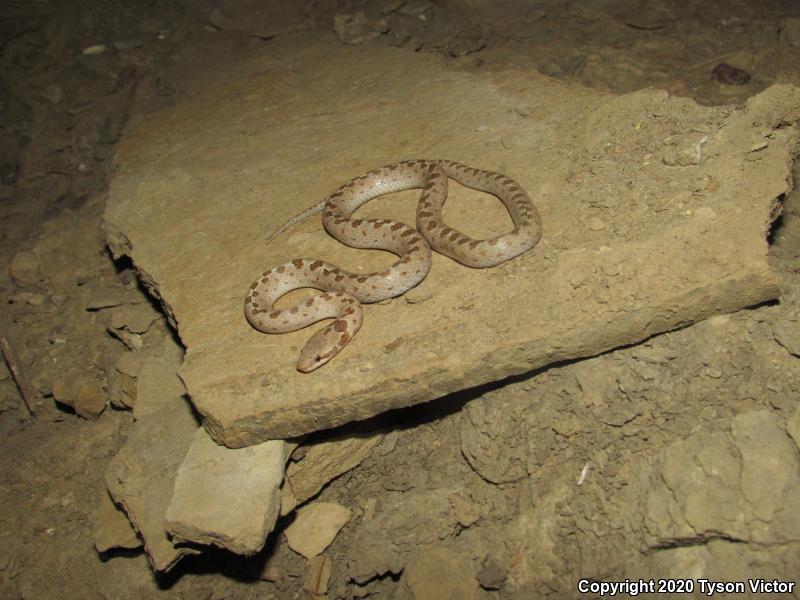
91 400
53 93
595 224
730 75
59 299
94 49
29 298
65 389
491 576
25 268
315 527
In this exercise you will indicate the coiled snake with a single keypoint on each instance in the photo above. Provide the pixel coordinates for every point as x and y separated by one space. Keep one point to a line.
343 291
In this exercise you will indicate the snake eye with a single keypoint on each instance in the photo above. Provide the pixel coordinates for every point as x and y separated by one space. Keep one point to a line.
317 358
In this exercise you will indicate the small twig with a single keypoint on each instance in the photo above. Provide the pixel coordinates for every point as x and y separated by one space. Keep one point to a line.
24 388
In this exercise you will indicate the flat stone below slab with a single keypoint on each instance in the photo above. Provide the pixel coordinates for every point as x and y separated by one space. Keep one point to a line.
655 215
227 497
140 477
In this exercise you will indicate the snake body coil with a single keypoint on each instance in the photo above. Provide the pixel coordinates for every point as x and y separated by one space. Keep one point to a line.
343 291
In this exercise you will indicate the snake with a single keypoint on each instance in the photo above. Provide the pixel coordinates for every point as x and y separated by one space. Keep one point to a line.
344 292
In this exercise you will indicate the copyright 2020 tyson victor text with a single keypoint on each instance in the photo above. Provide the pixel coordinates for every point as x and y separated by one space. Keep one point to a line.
684 586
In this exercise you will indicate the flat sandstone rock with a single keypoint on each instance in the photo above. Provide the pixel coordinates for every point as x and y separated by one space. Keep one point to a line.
655 214
227 497
140 478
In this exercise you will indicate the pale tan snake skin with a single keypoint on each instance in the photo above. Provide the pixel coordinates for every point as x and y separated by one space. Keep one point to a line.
343 291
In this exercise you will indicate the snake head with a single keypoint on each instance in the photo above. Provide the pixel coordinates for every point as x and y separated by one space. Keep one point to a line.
323 346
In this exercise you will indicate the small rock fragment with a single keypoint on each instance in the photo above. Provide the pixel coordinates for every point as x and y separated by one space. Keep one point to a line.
491 576
29 298
34 299
53 93
66 389
319 573
595 224
141 477
730 75
88 398
25 268
467 511
315 527
91 400
95 49
437 573
112 527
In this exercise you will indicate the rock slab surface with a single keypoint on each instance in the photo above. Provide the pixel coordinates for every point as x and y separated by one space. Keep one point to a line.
630 189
